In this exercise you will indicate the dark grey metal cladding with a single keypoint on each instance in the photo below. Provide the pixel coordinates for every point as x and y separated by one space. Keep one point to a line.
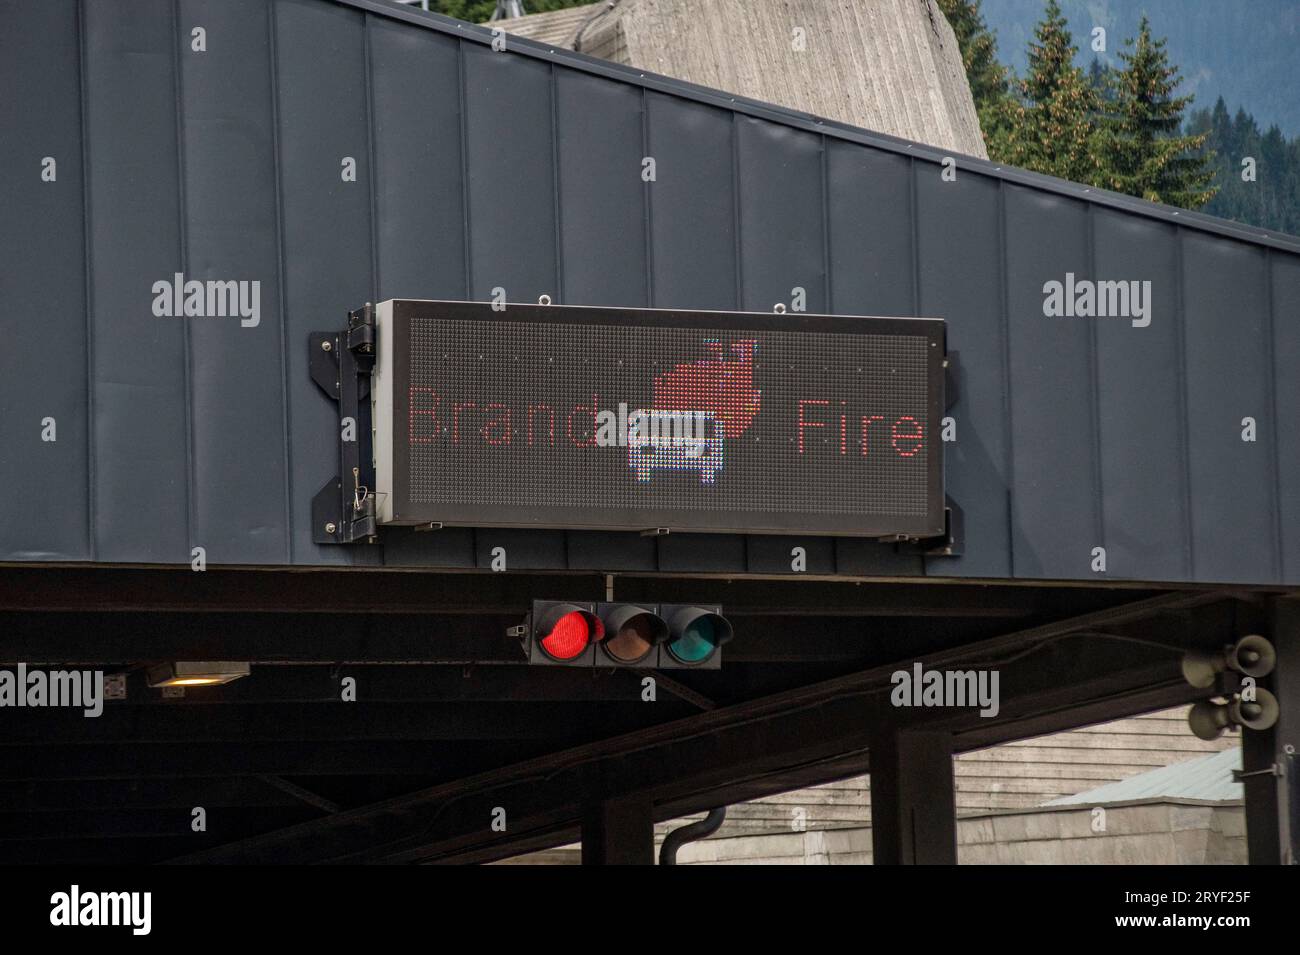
510 167
327 243
600 195
960 241
694 252
239 422
522 170
1143 504
43 358
781 215
1284 293
140 433
419 188
1227 332
1055 519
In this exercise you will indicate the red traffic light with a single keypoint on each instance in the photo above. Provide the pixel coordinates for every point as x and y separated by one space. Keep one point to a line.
569 637
564 632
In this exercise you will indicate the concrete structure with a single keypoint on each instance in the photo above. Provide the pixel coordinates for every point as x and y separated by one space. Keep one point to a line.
1188 812
1153 832
1020 775
891 66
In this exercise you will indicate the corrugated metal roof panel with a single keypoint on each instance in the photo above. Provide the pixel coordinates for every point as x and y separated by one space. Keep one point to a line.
1206 777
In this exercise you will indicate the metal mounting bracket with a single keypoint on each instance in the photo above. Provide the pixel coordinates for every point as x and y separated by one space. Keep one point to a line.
950 544
1272 770
343 511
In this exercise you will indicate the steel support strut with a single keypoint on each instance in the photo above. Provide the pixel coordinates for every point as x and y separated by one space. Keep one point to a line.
344 509
618 832
1269 757
913 809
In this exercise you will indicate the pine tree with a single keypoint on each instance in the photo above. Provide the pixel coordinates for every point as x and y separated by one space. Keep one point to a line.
1271 197
1102 80
988 79
1220 123
1143 151
1053 128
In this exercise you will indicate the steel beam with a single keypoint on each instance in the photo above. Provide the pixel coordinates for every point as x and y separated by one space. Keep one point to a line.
408 591
1270 768
913 807
618 832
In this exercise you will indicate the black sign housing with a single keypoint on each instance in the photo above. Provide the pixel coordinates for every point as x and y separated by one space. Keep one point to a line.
635 419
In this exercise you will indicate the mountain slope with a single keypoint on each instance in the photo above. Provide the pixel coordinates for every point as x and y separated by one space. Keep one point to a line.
1247 51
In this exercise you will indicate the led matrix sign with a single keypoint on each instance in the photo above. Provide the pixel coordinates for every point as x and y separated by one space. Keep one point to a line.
553 416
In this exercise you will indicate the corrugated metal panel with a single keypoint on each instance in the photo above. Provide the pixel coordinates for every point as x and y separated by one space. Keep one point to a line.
871 226
1209 777
231 231
43 250
601 196
140 490
960 239
1054 492
1227 335
419 172
326 242
782 229
693 250
510 159
477 169
1145 522
1283 296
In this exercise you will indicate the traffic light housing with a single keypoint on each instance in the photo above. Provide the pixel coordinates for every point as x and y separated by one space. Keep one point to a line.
642 636
696 633
633 635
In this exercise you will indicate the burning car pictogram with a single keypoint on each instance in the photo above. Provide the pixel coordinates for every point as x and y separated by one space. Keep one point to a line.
675 440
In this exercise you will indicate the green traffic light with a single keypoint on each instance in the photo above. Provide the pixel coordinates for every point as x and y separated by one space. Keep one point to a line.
697 642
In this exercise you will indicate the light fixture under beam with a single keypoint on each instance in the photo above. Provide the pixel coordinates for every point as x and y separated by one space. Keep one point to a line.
196 673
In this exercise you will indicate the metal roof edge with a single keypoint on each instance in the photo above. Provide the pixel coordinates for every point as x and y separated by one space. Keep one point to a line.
1198 221
1106 804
